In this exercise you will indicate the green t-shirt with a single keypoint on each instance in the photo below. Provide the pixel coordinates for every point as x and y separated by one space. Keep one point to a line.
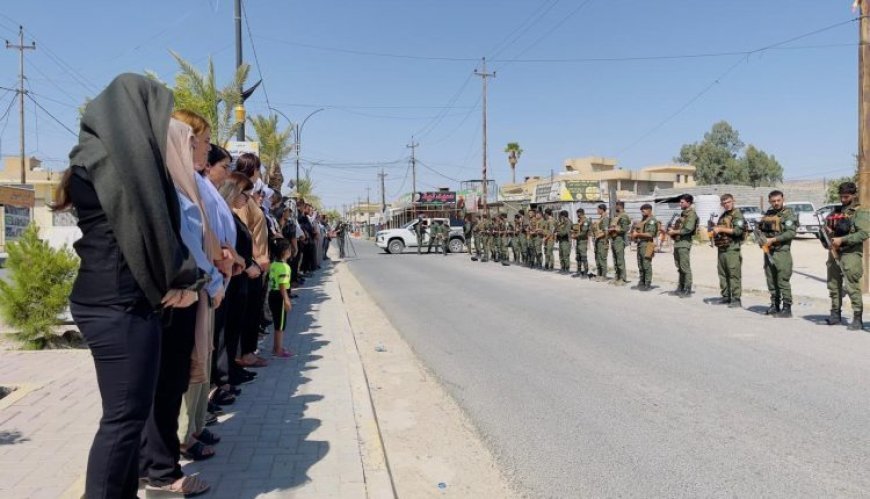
279 274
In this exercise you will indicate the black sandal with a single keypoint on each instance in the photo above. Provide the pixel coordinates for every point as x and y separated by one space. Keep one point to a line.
196 452
207 437
222 397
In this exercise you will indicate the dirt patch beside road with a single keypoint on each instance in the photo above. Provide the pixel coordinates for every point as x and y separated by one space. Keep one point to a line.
431 447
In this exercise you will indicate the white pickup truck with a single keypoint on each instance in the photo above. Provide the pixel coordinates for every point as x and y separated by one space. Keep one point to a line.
395 241
806 214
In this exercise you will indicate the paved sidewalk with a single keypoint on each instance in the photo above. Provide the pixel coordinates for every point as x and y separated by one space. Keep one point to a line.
292 433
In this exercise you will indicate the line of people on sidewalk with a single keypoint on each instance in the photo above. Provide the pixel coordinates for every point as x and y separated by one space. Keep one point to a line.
183 261
533 237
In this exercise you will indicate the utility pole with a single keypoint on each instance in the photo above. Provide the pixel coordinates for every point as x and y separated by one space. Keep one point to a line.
413 146
21 92
484 75
240 110
863 129
383 176
368 197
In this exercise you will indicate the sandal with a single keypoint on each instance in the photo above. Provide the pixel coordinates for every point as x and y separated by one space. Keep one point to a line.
222 397
211 419
207 437
198 452
188 486
283 354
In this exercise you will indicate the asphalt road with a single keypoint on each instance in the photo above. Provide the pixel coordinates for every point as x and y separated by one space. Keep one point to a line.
585 389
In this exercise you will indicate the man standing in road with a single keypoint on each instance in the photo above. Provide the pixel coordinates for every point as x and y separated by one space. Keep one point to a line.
617 230
847 226
537 230
485 231
779 226
520 226
728 237
645 233
420 231
580 233
599 232
476 231
683 231
442 237
467 225
516 230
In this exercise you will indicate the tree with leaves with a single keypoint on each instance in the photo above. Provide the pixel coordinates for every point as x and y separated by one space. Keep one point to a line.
199 92
305 191
514 151
38 288
716 159
275 146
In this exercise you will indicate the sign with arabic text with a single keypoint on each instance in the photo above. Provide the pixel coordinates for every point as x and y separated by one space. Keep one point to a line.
434 197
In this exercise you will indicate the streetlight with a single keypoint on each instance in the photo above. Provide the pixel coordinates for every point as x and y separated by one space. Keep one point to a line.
298 131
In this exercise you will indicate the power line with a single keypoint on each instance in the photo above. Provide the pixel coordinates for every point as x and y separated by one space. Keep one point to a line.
366 53
427 129
44 110
536 17
436 172
254 50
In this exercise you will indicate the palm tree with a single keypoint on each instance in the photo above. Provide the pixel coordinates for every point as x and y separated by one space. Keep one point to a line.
275 146
305 190
514 152
198 92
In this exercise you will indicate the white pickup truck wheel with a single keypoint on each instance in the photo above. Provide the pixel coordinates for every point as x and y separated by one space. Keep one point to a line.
396 246
455 245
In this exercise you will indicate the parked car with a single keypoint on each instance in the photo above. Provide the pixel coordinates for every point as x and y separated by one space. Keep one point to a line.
806 214
752 214
395 241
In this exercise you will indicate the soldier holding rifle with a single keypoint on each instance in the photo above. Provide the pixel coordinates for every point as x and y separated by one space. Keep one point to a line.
645 233
617 230
728 237
599 232
777 228
580 233
845 230
682 232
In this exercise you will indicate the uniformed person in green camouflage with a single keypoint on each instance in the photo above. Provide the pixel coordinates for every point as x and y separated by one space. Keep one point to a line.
617 232
549 238
477 231
537 228
683 231
485 228
467 225
848 226
522 237
779 227
580 233
602 243
516 231
728 237
563 237
645 233
504 229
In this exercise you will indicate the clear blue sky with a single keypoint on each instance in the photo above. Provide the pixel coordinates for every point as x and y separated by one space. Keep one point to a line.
797 101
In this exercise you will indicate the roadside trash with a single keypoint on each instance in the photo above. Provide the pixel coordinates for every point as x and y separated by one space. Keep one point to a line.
380 348
442 485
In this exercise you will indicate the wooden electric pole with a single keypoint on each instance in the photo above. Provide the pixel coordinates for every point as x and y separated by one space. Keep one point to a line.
21 92
863 128
383 176
484 75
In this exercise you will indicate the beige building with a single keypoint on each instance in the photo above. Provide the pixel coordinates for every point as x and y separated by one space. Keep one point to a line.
57 228
364 212
592 179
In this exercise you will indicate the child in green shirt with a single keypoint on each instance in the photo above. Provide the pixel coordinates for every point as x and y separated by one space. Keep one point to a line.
279 295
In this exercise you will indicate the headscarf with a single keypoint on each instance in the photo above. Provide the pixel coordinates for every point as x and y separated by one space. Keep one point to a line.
122 144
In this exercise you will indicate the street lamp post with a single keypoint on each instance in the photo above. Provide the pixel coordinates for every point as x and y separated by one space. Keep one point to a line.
298 131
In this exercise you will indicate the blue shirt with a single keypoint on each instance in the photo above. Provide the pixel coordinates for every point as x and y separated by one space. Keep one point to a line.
193 236
219 215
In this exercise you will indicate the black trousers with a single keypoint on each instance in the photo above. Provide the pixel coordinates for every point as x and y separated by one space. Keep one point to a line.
125 344
253 315
160 446
237 295
219 362
294 265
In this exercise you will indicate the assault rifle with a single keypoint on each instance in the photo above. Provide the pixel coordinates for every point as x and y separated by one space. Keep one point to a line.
825 238
664 231
761 241
711 224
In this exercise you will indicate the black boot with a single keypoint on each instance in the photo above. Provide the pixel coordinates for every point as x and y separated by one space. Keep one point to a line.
786 311
835 319
857 324
735 303
722 301
774 309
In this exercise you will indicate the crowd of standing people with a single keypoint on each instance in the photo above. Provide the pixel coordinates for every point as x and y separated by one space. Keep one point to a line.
535 234
188 261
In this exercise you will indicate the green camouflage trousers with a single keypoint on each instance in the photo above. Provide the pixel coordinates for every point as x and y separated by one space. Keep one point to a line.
581 254
683 261
601 246
617 246
565 255
730 269
850 283
644 264
548 253
779 276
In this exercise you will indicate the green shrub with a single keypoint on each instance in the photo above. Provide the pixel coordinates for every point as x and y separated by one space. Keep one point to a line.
37 291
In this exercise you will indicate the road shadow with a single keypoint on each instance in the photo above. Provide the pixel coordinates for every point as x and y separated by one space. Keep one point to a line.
12 437
266 445
810 276
820 320
758 309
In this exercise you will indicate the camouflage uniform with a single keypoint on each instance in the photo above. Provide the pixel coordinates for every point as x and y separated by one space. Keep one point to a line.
687 225
549 241
617 231
601 245
563 236
780 225
852 224
646 251
580 232
730 259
